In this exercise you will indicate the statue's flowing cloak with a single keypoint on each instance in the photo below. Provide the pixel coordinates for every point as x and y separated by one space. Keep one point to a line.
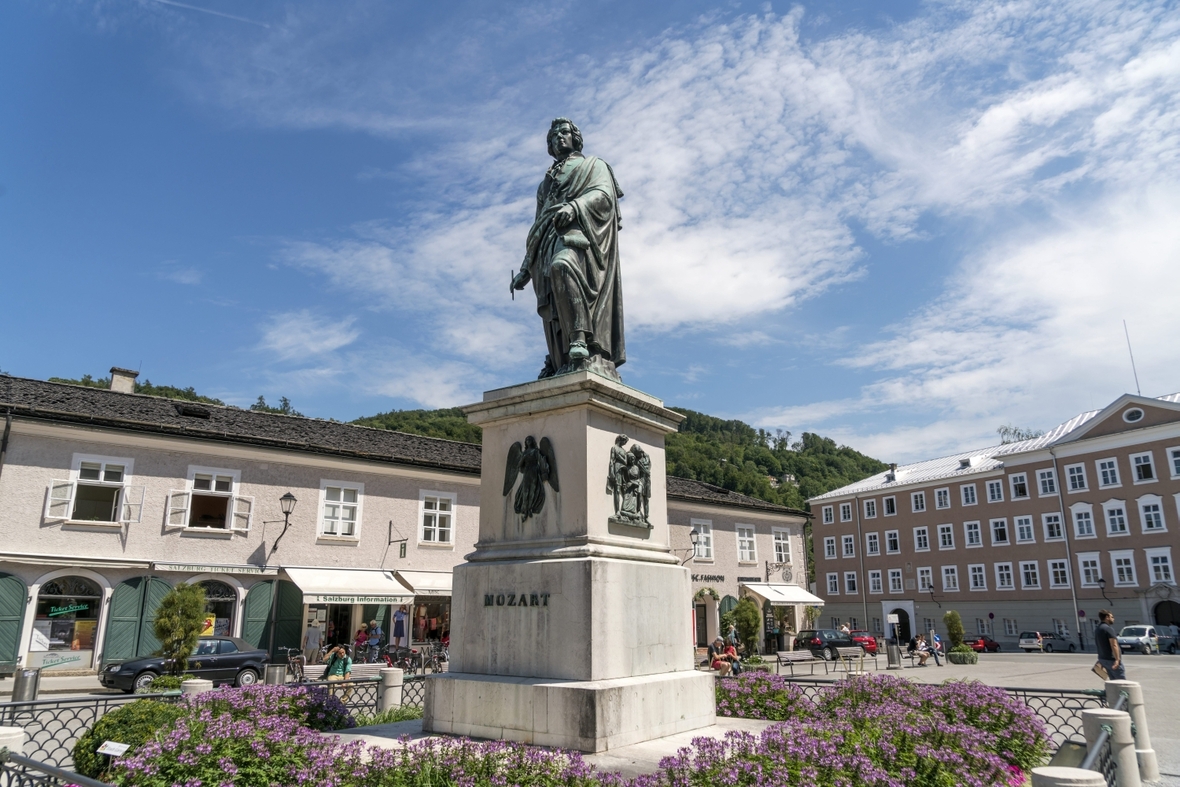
588 185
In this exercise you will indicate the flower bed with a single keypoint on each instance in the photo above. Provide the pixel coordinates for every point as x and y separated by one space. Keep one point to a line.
879 731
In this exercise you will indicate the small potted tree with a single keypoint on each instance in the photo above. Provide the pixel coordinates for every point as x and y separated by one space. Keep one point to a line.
959 653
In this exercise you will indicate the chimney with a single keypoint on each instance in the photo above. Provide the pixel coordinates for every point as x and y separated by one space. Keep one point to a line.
123 380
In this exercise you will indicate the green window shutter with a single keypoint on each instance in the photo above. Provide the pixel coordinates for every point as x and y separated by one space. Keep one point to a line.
123 621
154 591
289 625
256 615
13 595
727 604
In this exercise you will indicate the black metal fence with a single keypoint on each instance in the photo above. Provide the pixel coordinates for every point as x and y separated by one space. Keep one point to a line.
1060 709
361 696
414 691
54 726
19 771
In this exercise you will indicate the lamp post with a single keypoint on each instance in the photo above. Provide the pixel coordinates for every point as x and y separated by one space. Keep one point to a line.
286 505
1102 587
695 537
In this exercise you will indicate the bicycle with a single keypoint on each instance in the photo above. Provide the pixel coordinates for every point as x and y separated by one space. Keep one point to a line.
297 664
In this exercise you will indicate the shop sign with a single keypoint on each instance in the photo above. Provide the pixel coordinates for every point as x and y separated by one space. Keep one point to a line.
56 660
516 599
336 598
55 611
708 577
197 568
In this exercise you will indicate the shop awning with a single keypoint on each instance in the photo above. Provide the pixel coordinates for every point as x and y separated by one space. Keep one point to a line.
426 583
782 594
348 586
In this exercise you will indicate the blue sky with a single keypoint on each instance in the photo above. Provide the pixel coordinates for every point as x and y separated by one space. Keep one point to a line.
897 224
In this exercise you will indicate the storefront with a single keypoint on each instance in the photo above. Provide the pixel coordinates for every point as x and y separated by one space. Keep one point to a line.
338 600
429 617
221 607
65 624
782 608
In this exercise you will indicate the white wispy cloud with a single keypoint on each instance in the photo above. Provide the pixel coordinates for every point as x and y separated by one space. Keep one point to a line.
171 270
305 335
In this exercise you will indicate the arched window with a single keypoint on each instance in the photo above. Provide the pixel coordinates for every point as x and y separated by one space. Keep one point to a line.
221 601
727 604
65 623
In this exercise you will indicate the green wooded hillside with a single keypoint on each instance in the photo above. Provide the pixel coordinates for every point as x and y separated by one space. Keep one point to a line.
449 423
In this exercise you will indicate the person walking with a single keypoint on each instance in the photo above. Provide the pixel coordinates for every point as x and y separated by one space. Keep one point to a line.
312 639
1107 642
375 637
936 648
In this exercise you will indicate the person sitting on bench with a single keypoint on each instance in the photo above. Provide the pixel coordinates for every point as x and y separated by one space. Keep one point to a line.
718 658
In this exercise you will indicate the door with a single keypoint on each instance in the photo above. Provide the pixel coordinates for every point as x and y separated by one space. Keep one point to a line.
287 624
13 600
131 619
702 627
204 661
903 625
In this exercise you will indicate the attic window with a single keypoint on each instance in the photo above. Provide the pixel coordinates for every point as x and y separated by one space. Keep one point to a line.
192 410
964 464
1132 415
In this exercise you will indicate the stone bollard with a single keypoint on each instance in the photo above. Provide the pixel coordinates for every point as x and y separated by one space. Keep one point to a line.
391 688
13 739
1149 768
1122 743
1053 776
195 686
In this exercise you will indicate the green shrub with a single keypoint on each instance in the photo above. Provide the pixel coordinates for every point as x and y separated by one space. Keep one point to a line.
135 723
178 624
391 716
165 683
961 648
748 618
954 627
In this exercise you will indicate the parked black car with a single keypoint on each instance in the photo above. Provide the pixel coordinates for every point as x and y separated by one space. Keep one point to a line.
219 659
823 642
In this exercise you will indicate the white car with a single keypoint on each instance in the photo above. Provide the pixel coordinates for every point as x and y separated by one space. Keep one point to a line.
1141 638
1044 641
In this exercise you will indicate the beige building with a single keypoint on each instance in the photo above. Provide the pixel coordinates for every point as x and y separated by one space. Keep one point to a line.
109 498
1033 535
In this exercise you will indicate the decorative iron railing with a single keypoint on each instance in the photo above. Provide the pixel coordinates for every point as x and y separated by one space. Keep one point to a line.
20 771
414 691
361 695
1099 757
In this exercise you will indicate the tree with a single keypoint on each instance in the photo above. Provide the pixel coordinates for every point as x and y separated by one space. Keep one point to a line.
1014 434
954 627
748 618
178 623
284 407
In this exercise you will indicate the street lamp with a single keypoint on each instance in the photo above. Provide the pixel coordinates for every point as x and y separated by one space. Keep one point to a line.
695 537
287 505
1102 587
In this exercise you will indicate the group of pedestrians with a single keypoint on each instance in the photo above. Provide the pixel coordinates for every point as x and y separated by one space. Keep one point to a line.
923 649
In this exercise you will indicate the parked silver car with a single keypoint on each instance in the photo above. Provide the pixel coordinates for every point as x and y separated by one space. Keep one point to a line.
1141 638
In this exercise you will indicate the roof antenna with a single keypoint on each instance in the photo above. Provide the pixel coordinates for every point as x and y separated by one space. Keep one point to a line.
1128 334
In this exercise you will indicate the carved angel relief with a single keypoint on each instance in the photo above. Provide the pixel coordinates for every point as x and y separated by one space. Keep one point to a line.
628 479
537 466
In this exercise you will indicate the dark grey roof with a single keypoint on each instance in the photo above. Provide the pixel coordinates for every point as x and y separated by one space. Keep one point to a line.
197 420
700 492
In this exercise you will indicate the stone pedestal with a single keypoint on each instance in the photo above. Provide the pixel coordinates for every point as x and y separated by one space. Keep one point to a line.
569 629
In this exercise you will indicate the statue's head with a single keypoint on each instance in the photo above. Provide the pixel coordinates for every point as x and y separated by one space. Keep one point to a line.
621 440
530 442
559 126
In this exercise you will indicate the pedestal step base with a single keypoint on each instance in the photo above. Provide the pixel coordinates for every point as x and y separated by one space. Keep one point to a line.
589 716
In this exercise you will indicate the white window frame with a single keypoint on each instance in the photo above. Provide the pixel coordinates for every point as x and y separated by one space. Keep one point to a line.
983 626
942 498
921 534
991 526
356 486
848 545
703 551
1000 577
1090 574
1055 566
951 572
995 491
1141 503
1102 475
876 583
918 502
1149 464
977 570
829 514
1036 570
872 544
870 509
851 586
239 510
896 539
846 512
1121 554
833 583
967 495
967 534
1173 454
1026 522
1075 520
1109 520
1046 483
1010 627
1160 552
1013 481
750 554
899 585
888 503
946 533
1046 520
781 537
925 579
62 496
1075 473
829 547
454 512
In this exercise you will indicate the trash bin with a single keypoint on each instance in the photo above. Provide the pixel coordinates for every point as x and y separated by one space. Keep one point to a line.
782 640
276 674
893 654
25 685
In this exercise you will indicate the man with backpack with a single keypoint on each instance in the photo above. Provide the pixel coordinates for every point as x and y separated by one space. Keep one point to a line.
338 667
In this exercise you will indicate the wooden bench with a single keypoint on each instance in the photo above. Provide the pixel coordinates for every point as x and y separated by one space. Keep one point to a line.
850 656
789 658
359 671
